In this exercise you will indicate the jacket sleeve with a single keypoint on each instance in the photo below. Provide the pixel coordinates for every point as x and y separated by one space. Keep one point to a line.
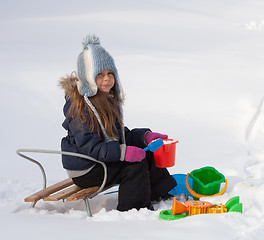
136 137
91 144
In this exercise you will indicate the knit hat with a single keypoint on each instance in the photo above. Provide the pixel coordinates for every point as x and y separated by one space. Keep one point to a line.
91 61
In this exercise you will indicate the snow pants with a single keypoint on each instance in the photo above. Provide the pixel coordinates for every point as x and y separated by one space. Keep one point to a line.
139 182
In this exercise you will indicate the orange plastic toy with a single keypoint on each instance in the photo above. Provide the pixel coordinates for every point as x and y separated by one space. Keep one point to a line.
217 209
178 207
180 210
197 207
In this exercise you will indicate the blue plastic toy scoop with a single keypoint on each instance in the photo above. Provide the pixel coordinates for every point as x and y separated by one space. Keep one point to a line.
154 146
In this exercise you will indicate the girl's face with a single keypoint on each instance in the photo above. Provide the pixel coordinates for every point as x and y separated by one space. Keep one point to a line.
105 80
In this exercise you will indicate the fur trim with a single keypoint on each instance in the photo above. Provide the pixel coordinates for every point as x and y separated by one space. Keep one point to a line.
69 84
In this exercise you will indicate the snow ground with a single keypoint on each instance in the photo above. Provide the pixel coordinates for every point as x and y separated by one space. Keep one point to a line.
199 65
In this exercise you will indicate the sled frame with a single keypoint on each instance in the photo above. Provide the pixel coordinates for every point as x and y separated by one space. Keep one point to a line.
86 197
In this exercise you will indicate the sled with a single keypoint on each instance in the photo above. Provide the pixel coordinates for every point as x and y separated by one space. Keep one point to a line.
64 190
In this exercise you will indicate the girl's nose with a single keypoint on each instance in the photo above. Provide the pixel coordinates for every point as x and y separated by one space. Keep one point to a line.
106 77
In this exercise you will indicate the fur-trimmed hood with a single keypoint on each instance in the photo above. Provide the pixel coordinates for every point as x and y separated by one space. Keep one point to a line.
69 84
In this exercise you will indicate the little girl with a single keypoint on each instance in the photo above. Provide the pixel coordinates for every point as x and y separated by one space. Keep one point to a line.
94 124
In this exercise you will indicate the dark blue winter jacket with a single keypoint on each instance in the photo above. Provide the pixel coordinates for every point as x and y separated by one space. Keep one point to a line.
80 139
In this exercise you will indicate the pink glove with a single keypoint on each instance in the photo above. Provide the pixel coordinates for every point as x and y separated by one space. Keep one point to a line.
150 136
134 154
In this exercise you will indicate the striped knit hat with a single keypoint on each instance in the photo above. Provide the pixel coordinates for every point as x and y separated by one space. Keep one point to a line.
91 61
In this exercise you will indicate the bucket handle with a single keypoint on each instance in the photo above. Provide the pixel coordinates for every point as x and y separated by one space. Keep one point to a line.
197 195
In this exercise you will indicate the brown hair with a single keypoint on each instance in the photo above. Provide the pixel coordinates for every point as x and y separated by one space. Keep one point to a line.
107 106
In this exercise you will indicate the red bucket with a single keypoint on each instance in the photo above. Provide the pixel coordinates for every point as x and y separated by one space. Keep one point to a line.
165 155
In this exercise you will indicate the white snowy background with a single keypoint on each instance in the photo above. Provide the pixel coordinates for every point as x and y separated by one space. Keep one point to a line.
191 69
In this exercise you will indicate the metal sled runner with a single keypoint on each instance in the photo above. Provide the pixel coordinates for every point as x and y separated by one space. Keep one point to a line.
66 189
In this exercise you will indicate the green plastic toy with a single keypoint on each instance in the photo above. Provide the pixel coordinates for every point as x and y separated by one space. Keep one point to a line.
206 182
167 215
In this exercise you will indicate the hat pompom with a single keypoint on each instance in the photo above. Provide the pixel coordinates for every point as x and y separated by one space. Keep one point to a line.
90 39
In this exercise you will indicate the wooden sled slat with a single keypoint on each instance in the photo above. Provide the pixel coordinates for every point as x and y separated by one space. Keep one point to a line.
63 194
81 194
49 190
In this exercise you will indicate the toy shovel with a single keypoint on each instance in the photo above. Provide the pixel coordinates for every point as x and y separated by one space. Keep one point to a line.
154 146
